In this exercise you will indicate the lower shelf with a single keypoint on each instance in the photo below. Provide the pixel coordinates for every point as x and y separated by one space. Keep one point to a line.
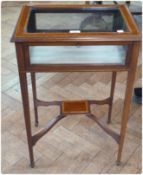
75 107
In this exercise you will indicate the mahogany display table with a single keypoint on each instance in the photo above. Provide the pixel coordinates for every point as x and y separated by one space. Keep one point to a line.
76 38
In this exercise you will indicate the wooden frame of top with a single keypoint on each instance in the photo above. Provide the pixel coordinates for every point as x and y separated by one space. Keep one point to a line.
20 35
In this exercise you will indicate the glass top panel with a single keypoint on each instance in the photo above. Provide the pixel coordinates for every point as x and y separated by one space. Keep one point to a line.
76 20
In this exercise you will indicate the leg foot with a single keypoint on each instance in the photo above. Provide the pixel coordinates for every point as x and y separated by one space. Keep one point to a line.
32 164
36 124
108 121
118 163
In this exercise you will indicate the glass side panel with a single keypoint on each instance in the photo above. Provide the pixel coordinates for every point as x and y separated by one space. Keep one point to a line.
76 21
78 54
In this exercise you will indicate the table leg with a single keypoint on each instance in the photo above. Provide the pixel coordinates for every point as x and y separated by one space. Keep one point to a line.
33 80
111 96
128 98
125 115
25 99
